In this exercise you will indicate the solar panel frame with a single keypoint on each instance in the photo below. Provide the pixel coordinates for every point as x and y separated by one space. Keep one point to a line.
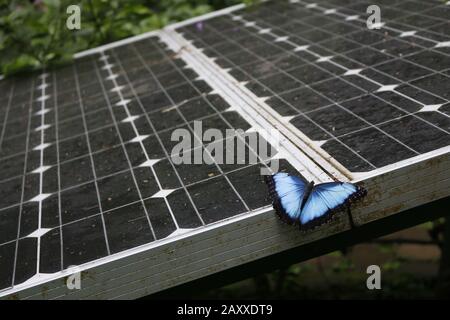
155 266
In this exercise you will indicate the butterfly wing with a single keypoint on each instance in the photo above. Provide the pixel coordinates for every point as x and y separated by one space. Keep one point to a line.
326 198
287 193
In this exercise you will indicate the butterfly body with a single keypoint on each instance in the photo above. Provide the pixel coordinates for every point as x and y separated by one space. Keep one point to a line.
307 204
309 188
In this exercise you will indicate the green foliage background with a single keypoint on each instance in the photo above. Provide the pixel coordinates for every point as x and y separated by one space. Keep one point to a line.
33 33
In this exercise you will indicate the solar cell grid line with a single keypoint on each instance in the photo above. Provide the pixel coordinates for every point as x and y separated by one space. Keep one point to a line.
15 240
137 201
30 229
58 174
66 204
5 115
311 8
192 130
91 159
43 110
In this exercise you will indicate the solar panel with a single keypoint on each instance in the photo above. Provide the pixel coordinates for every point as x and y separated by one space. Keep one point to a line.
87 178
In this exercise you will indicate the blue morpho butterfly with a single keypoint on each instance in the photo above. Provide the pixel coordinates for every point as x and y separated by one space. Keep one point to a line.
297 201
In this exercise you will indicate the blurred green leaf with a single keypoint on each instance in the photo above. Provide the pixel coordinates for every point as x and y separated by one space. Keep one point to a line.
33 34
391 265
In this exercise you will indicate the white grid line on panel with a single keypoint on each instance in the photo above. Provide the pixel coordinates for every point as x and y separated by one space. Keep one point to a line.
5 120
61 239
91 158
19 221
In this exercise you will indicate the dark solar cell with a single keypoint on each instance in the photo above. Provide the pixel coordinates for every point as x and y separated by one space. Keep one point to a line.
91 247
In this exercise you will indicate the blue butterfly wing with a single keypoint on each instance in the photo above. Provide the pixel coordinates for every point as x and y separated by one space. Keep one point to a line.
328 197
287 193
314 208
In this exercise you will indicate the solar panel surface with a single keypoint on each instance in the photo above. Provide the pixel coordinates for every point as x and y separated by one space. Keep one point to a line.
86 175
